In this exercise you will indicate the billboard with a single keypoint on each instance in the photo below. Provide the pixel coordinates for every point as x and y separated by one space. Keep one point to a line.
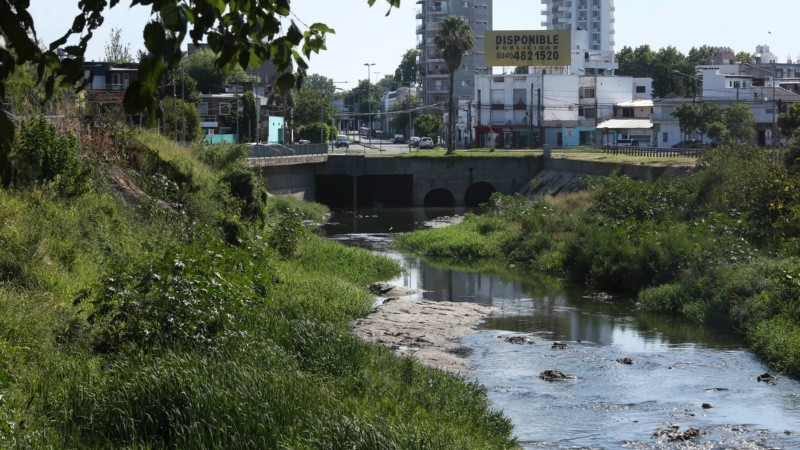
527 48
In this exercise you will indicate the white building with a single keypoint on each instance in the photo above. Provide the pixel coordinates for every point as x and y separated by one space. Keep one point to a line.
388 101
560 109
596 17
725 85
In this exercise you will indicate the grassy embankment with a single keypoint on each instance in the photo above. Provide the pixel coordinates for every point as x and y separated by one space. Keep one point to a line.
720 245
151 296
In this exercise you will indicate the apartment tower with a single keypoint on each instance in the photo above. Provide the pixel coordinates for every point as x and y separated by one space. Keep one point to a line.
596 17
432 70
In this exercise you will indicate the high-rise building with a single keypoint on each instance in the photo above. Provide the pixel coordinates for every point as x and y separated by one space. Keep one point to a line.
432 70
596 17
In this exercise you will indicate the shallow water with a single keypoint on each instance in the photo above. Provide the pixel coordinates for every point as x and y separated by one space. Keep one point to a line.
677 367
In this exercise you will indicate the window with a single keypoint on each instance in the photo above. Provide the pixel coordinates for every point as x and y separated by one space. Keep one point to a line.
641 89
202 108
588 92
520 95
224 109
627 112
587 112
664 137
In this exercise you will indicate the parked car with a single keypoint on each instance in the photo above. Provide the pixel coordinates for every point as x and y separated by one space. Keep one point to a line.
341 141
627 143
425 142
413 141
691 143
399 139
622 143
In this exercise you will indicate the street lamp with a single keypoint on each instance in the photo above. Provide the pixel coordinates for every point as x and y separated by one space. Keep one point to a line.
774 103
369 110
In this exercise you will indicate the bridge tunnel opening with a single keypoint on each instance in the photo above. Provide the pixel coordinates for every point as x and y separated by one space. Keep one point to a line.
439 198
478 193
389 191
334 191
366 191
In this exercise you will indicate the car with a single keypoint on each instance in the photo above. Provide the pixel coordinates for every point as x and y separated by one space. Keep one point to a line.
303 141
425 142
413 141
691 143
627 143
341 141
399 139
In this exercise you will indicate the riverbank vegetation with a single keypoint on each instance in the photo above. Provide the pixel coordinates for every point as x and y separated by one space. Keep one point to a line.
720 245
154 296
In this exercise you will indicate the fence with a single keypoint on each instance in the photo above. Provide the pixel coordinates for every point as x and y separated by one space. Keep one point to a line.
654 152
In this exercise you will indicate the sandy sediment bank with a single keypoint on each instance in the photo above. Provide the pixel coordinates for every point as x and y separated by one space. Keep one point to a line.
425 330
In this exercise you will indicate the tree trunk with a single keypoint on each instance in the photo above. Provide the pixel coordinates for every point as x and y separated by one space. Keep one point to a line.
451 120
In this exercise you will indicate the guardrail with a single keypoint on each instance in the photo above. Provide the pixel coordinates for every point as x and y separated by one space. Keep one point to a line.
283 151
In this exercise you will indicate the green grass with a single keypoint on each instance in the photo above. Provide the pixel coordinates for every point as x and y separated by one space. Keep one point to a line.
144 325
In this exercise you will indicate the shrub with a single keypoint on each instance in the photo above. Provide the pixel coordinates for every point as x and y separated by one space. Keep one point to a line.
248 187
194 295
41 156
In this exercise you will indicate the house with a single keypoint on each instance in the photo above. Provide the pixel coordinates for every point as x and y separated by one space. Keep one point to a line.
106 84
631 121
725 85
554 106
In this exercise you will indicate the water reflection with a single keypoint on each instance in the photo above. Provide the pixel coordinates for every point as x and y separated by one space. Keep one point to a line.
677 365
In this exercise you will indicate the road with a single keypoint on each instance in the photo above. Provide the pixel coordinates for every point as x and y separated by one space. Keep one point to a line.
359 145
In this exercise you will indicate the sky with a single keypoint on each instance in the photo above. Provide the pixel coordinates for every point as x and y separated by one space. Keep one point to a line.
366 35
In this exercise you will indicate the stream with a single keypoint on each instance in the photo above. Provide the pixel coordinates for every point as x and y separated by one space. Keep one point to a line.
680 374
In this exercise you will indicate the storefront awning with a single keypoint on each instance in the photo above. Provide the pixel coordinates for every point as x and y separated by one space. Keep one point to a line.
626 124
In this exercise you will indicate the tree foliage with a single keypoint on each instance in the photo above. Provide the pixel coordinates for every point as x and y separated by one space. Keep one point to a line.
406 72
404 113
239 32
211 79
453 39
789 122
427 125
670 69
115 50
181 121
312 105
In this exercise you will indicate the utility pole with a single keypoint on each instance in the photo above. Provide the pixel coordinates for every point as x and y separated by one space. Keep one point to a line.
539 116
469 124
530 120
175 104
258 112
369 103
183 100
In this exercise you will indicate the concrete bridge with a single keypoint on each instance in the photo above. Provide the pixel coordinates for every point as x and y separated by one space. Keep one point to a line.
343 181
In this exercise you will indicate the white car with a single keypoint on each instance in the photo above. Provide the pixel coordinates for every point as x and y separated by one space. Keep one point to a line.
425 142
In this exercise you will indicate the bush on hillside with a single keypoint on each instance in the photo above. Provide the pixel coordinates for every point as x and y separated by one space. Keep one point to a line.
43 157
195 295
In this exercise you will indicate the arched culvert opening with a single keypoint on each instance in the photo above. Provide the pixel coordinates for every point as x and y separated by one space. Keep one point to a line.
478 193
439 198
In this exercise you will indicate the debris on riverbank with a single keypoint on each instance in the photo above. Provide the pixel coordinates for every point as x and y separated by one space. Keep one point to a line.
424 330
444 221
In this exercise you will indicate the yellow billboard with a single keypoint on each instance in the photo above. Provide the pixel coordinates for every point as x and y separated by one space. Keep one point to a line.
527 48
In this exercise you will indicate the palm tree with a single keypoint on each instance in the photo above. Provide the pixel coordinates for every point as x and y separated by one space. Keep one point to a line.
453 40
